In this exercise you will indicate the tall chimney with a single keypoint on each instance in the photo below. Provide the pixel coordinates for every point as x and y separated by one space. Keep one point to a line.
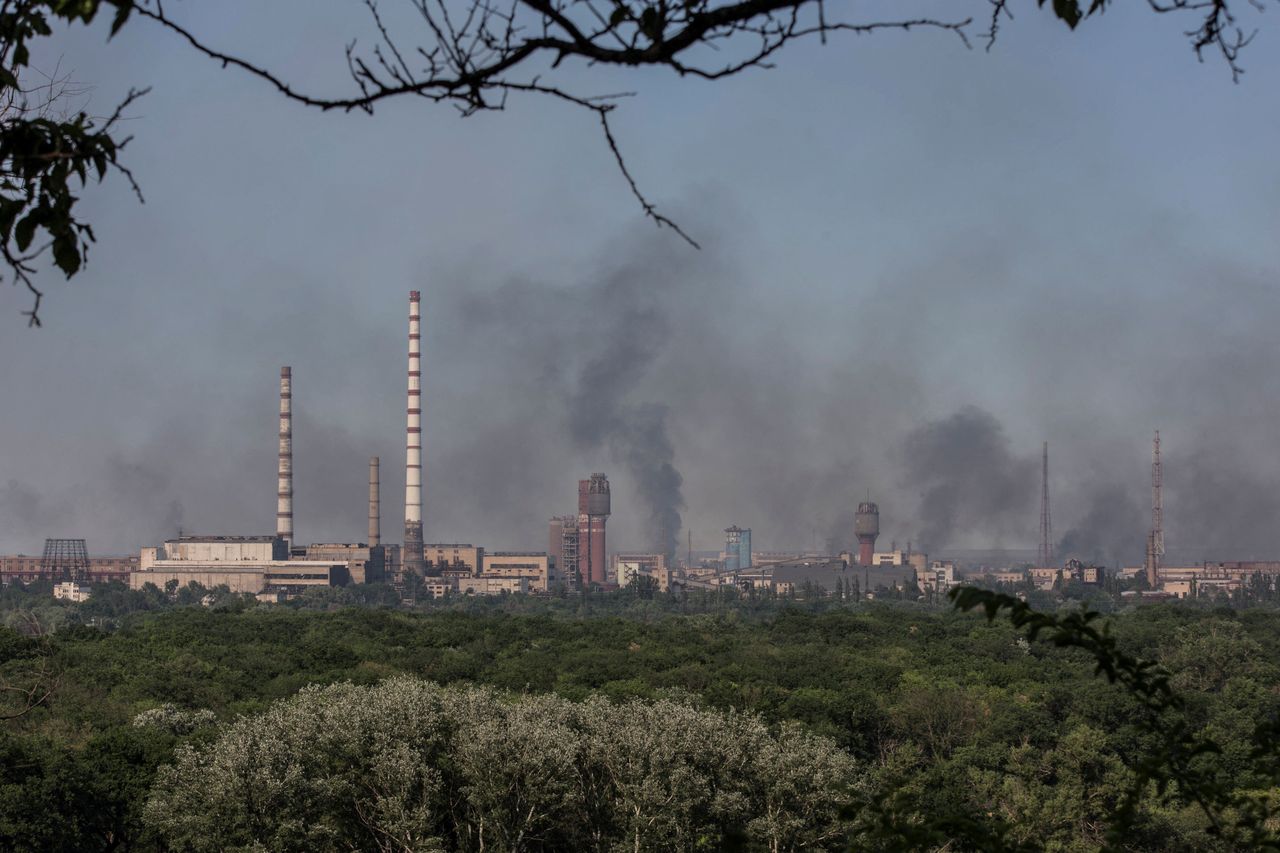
375 512
284 479
412 557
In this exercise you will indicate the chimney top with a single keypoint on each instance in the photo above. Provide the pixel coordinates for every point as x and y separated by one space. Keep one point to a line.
414 296
286 372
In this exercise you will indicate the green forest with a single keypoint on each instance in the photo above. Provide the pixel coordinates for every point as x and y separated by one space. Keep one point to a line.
617 722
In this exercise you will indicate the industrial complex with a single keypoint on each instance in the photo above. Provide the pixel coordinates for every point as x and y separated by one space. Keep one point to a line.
276 567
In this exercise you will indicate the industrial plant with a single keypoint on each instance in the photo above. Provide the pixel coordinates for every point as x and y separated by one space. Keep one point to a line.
276 567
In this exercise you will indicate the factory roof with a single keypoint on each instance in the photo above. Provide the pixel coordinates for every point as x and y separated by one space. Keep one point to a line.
824 573
187 538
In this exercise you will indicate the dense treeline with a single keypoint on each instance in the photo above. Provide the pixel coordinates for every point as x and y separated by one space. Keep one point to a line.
941 713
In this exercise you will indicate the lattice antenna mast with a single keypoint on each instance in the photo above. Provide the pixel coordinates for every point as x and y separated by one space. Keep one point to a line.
1157 506
1046 520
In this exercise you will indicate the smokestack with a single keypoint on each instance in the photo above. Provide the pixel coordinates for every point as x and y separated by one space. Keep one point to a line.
866 526
375 512
412 558
284 479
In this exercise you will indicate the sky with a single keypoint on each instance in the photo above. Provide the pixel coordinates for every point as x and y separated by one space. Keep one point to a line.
918 263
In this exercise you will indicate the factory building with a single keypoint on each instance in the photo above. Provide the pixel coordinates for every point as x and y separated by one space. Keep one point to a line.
938 577
365 563
593 513
826 577
737 548
627 567
244 564
20 568
533 566
492 586
452 559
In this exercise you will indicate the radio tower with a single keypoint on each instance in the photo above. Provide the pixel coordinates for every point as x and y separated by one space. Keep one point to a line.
1155 544
1046 522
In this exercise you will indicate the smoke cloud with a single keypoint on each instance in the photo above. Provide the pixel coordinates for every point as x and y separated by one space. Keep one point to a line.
970 479
1111 530
710 400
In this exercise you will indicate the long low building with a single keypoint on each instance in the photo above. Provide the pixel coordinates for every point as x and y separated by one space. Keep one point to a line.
244 564
246 576
21 568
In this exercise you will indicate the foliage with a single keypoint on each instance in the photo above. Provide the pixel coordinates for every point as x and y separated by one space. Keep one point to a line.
46 150
964 733
1173 767
408 765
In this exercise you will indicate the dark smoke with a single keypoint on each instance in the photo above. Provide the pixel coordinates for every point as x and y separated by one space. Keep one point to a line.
971 482
598 344
1111 532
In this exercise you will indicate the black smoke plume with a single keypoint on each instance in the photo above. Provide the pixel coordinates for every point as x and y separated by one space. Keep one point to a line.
970 480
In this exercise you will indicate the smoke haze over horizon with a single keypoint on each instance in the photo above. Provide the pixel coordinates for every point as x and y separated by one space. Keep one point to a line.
908 282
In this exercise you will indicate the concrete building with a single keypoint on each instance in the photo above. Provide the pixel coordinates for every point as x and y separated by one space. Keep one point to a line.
737 548
365 563
628 567
244 564
1044 578
827 576
493 586
938 577
20 568
437 587
217 549
452 558
71 591
533 566
289 576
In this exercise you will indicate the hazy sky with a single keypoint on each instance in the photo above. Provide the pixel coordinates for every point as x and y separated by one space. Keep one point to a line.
919 263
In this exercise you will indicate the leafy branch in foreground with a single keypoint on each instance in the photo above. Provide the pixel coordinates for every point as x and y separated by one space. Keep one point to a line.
1172 767
44 151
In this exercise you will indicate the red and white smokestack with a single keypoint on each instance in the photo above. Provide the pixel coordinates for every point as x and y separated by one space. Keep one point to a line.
375 511
284 480
412 557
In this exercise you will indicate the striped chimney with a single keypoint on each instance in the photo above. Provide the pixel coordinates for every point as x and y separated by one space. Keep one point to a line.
284 483
413 558
375 513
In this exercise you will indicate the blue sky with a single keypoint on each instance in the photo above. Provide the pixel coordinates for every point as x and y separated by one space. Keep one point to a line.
1073 233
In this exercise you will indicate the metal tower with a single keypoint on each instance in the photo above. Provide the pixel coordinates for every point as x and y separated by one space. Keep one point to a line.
65 559
1046 521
